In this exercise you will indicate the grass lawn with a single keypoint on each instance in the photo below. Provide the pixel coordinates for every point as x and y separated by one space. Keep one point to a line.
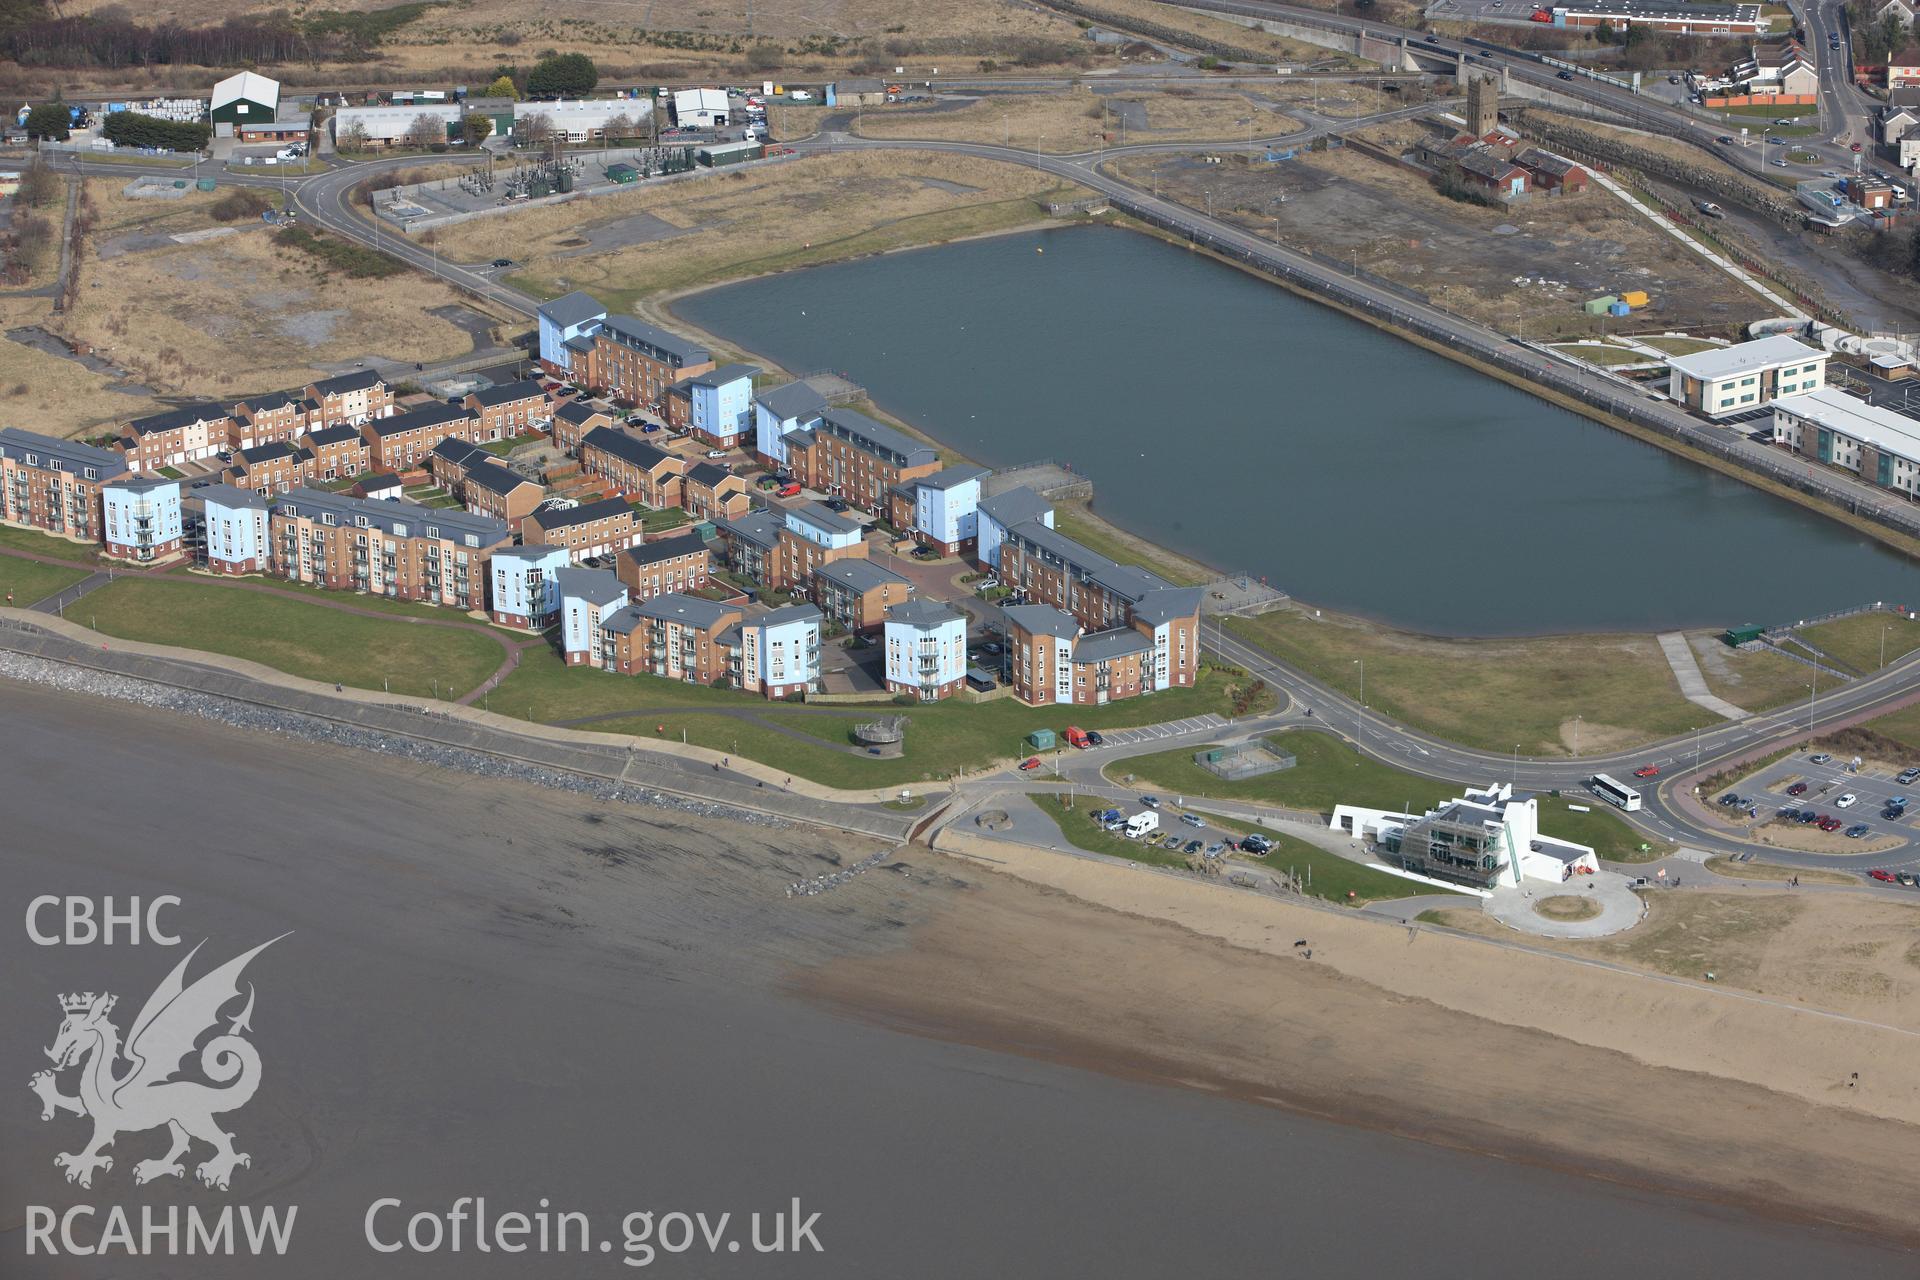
1328 772
501 448
1680 346
1856 640
1490 693
942 738
1774 871
1099 538
29 581
1901 726
1327 875
1081 833
293 636
1759 680
1600 828
45 544
660 519
1595 353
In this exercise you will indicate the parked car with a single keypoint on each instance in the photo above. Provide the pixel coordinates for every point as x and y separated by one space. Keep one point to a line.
1856 146
1797 789
789 490
1647 771
924 553
1029 764
1821 758
647 427
716 453
1215 850
1193 820
1846 801
835 504
1257 845
1093 735
1857 830
1830 824
1193 846
1152 802
1809 815
1908 777
1879 874
1729 800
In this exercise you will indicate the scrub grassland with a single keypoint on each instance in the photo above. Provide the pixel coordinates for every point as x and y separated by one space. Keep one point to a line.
1864 641
1500 694
1074 121
149 301
676 235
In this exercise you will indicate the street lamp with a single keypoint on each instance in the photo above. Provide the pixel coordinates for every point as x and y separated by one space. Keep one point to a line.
1360 721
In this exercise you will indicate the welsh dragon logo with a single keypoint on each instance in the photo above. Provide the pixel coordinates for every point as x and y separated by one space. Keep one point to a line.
146 1095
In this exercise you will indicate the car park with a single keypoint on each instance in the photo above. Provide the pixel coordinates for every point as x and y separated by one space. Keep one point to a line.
1647 771
1846 801
1797 789
1857 830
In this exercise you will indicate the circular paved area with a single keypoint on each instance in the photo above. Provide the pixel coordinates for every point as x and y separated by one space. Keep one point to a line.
1620 907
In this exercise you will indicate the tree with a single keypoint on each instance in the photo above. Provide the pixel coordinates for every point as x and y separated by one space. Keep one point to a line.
563 75
426 130
535 129
619 125
352 138
38 185
504 87
766 56
135 129
49 122
1913 254
475 128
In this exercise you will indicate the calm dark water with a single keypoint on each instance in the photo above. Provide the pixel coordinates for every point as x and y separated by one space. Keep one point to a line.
1258 431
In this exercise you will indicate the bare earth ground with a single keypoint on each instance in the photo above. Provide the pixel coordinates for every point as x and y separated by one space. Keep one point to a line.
830 206
1277 48
1531 280
1624 1075
1070 122
46 393
275 314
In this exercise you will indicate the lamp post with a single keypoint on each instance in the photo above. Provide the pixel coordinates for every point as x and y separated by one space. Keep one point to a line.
1576 736
1360 721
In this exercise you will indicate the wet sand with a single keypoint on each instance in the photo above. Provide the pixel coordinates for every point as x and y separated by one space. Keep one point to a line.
493 990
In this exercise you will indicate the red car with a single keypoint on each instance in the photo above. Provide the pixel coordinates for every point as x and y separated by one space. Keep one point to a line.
1797 789
1031 762
1829 824
787 491
1647 771
1856 146
1878 874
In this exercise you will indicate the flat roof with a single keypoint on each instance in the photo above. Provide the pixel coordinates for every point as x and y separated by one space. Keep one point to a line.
1854 418
1744 357
1666 9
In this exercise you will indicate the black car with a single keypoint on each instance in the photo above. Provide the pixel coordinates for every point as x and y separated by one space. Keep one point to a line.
836 504
503 262
1566 75
1433 39
1724 140
1094 739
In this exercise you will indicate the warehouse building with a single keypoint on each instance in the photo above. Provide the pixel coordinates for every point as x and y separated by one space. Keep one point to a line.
1878 445
244 98
585 119
700 108
1673 18
389 126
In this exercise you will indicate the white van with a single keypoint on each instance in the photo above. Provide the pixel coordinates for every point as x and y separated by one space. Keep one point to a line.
1142 824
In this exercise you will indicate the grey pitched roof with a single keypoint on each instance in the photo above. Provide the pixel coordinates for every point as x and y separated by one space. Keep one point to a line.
494 478
685 544
688 610
1116 643
572 309
924 613
508 392
270 402
15 443
1015 506
357 380
185 416
392 517
625 445
707 473
726 373
859 574
136 484
458 452
1164 604
821 518
794 402
333 435
380 481
1042 620
786 614
585 513
948 477
227 495
876 437
632 331
762 528
532 554
1128 581
579 411
431 415
271 451
595 586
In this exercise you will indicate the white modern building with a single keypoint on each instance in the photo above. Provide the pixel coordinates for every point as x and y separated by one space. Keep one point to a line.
926 649
945 508
1878 445
1002 512
142 519
524 591
700 108
234 528
584 119
781 412
1489 838
586 595
389 126
1745 376
720 404
814 523
779 651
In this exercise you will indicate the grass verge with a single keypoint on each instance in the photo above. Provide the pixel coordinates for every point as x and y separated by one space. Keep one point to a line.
301 639
28 581
1081 833
1327 772
1858 640
1773 871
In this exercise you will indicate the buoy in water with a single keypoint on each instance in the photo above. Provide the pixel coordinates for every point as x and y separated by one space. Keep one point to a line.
1038 249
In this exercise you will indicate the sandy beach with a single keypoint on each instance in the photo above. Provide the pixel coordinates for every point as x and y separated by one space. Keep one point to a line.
1726 1095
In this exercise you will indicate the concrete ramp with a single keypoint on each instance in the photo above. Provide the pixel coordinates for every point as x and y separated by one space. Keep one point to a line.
1693 685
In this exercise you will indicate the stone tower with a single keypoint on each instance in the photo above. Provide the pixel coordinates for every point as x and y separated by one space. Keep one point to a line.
1483 106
